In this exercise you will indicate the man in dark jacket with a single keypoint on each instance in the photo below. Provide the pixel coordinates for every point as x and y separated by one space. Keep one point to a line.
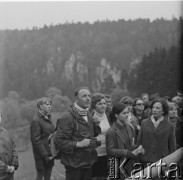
75 138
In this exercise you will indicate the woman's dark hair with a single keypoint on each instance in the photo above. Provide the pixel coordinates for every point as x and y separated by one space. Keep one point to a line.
164 105
97 97
116 109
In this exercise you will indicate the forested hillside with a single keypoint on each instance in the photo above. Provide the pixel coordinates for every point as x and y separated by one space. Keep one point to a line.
104 55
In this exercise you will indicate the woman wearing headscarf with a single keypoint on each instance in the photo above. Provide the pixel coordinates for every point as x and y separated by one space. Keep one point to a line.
100 119
40 129
8 154
120 138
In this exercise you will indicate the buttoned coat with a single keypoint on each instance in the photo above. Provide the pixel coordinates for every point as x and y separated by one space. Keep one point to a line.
119 145
157 142
40 130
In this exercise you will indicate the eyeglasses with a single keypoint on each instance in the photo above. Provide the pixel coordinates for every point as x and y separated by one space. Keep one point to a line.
140 104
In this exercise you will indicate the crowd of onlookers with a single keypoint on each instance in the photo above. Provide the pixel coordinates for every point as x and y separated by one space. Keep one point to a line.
93 130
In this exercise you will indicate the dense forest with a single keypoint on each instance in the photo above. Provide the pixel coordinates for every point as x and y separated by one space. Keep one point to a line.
134 55
116 57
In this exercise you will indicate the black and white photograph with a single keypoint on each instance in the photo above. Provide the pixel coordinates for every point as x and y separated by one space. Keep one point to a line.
91 90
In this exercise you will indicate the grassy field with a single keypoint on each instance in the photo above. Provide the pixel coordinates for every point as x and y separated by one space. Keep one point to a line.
26 170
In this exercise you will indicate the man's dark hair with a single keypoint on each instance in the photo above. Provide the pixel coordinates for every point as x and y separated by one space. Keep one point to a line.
135 100
78 89
107 95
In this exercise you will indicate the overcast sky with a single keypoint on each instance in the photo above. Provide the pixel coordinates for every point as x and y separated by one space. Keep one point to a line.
21 15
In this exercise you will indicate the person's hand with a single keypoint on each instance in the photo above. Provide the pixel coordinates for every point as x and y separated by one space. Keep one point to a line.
83 143
138 127
139 150
50 158
10 169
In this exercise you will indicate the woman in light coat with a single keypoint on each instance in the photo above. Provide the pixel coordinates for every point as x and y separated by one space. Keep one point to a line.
100 119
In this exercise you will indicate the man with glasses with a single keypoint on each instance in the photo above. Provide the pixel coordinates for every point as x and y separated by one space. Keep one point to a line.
139 110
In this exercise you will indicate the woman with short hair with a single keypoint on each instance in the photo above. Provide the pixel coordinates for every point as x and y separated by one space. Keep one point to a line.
98 107
157 134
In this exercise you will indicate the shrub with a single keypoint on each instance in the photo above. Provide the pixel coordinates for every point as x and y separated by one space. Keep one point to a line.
60 103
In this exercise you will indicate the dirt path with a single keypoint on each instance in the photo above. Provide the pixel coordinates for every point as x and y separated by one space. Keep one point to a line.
26 170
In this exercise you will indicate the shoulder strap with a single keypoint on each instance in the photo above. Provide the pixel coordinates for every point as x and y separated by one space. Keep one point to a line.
75 118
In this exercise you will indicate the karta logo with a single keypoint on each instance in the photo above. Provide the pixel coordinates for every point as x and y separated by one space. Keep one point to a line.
161 169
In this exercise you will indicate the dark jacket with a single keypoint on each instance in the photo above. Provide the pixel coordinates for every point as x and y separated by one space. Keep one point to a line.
8 154
120 144
157 143
117 143
73 128
179 132
40 130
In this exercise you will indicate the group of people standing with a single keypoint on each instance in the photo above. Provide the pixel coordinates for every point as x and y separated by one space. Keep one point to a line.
92 130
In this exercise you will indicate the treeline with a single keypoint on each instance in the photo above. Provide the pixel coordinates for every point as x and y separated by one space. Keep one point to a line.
159 72
134 55
17 113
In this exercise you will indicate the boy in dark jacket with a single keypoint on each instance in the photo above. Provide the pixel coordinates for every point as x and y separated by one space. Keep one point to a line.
40 129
